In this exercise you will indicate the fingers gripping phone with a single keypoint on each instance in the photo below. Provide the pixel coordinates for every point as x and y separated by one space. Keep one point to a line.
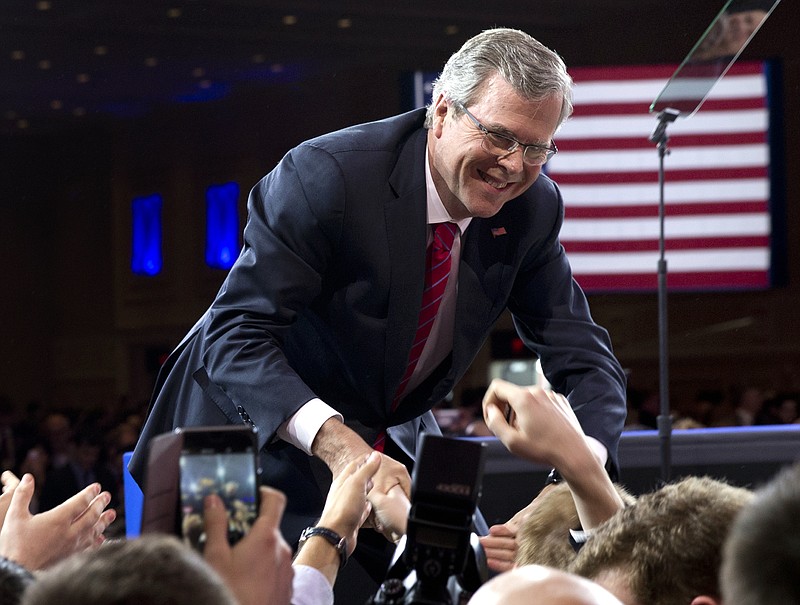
221 460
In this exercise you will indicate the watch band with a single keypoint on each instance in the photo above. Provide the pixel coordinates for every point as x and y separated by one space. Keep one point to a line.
334 539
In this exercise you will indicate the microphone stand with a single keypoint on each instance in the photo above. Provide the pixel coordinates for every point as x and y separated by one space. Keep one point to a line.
664 421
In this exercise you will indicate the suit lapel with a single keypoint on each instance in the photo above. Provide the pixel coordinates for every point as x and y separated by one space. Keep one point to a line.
406 227
483 280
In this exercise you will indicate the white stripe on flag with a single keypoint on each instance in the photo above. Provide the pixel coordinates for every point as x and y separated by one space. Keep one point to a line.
633 160
632 126
677 192
737 259
580 230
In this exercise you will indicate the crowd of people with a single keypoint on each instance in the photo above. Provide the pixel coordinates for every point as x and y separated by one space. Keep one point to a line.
584 539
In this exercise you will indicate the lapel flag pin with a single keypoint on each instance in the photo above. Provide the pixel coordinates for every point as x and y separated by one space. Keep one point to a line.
498 231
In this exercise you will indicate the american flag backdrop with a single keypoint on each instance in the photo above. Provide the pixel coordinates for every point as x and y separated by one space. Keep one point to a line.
717 183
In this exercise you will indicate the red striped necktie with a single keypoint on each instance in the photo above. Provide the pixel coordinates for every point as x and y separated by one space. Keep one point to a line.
437 270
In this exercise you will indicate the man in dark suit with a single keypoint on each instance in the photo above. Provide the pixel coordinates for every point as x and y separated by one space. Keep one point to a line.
310 336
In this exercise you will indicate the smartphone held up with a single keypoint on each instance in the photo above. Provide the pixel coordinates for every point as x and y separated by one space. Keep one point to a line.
190 463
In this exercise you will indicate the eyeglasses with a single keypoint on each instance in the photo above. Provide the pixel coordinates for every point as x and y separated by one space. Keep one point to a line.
499 144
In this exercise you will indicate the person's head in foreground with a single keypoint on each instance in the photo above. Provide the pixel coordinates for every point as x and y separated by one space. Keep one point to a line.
544 585
761 559
667 548
543 538
151 569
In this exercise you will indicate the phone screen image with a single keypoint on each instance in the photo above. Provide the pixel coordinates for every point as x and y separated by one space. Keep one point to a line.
231 475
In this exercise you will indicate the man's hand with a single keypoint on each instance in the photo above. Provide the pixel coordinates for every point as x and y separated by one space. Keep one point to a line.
338 446
258 568
38 541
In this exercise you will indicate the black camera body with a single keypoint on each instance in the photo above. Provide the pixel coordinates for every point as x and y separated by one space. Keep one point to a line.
439 561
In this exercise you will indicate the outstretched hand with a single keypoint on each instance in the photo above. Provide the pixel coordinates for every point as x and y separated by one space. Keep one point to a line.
347 508
533 423
500 545
541 426
10 482
38 541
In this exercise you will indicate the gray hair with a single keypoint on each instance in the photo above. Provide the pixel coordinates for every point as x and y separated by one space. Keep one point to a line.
532 69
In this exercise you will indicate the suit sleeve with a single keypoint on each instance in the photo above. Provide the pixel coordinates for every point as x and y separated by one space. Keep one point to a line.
294 216
552 316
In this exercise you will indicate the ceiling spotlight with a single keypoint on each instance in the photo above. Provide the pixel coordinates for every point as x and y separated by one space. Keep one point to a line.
451 30
17 55
43 5
174 13
56 104
22 123
44 64
82 78
101 50
289 20
151 61
344 23
198 72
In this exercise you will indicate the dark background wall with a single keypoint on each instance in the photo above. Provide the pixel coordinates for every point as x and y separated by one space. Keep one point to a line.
78 329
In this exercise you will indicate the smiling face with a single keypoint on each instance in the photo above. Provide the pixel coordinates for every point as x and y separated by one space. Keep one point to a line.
470 181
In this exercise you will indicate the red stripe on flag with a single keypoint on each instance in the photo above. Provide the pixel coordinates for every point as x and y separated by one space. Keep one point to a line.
651 210
651 176
673 244
614 109
698 280
650 72
686 140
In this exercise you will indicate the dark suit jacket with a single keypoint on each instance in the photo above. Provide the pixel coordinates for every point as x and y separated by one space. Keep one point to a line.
324 298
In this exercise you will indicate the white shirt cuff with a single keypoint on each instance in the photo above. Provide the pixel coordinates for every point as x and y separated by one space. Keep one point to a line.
310 587
598 449
303 426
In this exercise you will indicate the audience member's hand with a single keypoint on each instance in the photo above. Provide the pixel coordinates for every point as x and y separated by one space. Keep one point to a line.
346 507
258 568
390 515
38 541
10 482
500 545
543 427
389 497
